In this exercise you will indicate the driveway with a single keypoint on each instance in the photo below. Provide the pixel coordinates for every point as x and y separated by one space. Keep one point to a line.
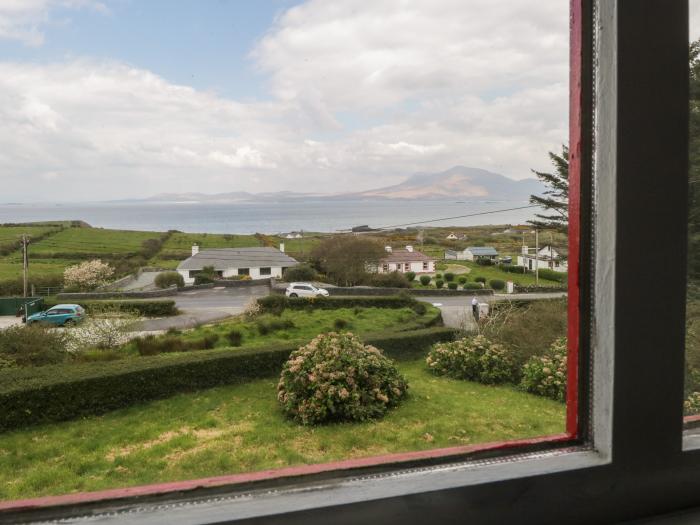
205 306
457 311
7 321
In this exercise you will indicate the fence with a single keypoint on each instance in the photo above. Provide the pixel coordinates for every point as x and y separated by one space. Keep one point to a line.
12 305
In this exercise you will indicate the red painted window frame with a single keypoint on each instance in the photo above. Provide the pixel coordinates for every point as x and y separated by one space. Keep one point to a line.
573 431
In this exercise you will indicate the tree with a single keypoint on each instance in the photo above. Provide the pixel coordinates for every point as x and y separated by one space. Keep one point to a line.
87 275
556 198
345 258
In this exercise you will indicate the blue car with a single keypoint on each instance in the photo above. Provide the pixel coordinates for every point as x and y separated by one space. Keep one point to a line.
59 315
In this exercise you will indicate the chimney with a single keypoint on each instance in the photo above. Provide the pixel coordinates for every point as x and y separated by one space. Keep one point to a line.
409 248
195 249
388 249
282 247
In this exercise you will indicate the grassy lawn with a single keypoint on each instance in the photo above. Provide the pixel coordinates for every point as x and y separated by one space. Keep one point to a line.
493 272
240 428
11 267
302 326
93 241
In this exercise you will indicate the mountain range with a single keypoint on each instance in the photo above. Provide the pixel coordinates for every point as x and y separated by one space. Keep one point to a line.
457 183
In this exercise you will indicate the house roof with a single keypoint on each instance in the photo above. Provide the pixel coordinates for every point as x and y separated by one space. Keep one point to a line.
403 256
482 250
223 258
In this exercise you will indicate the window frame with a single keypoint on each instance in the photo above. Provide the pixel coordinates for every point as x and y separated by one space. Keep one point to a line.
628 462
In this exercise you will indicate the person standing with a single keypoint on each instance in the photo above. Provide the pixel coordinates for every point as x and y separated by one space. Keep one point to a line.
475 308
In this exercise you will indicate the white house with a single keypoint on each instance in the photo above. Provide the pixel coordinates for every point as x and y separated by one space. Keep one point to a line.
256 262
473 253
293 235
547 257
451 237
405 260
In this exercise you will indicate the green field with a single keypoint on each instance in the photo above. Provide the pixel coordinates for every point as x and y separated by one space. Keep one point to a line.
11 234
93 241
240 428
180 244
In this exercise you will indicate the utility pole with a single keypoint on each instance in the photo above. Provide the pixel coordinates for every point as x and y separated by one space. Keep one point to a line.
537 257
25 263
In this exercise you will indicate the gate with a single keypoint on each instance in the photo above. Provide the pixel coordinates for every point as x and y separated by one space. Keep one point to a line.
11 305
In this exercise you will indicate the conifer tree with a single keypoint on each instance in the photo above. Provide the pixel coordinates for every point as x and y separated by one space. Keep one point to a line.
555 199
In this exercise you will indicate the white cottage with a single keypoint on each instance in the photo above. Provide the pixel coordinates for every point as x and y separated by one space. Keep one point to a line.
406 260
473 253
547 257
255 262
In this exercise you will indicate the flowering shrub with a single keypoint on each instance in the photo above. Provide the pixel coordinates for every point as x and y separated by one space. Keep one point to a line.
691 405
337 378
546 375
103 333
474 359
253 309
87 275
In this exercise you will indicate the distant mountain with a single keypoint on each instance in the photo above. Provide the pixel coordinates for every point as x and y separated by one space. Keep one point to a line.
458 183
455 184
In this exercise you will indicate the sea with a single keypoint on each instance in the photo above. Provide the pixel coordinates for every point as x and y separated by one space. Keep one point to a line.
273 217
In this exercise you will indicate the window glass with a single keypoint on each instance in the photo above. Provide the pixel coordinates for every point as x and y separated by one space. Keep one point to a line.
692 386
338 140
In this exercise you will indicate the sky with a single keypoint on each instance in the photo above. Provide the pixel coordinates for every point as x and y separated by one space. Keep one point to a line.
113 99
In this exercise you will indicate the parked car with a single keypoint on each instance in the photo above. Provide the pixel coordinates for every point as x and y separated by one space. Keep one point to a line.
60 315
305 290
506 260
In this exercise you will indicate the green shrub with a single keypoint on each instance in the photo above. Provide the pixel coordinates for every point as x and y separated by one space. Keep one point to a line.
512 269
340 324
691 405
410 276
439 283
551 275
33 345
390 280
420 308
449 276
425 280
300 272
480 279
452 286
151 345
438 276
337 378
484 262
462 279
235 337
268 326
47 393
146 307
472 286
528 328
277 303
473 359
546 375
497 284
168 279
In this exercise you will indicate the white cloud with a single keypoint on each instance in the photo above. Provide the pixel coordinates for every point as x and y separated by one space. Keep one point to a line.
23 19
363 94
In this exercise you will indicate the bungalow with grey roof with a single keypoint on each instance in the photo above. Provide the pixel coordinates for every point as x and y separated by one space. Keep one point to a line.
256 262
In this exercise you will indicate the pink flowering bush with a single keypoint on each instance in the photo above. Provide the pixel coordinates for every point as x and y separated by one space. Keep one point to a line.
337 378
473 359
546 375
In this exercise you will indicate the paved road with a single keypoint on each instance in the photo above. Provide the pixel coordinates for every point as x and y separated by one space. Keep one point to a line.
145 281
205 306
457 311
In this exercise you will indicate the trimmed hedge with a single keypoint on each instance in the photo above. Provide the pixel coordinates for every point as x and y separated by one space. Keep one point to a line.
551 275
277 303
160 308
31 396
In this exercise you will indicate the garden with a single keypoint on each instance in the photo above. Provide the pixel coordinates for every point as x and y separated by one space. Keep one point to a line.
293 381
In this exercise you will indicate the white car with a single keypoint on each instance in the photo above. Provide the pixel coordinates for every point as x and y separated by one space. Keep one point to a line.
304 290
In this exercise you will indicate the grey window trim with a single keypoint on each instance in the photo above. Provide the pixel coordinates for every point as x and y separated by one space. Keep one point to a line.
632 465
